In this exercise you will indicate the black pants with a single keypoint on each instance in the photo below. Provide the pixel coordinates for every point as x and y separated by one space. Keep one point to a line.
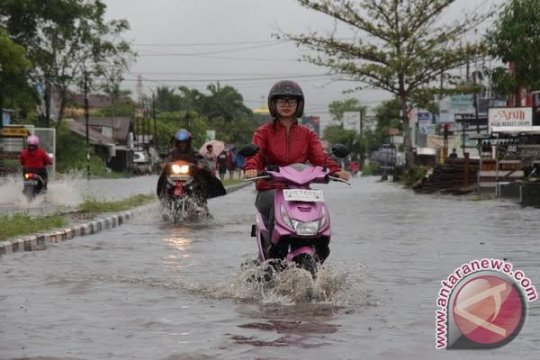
265 205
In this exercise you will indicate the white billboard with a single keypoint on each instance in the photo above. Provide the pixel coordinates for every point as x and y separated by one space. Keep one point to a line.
351 120
509 117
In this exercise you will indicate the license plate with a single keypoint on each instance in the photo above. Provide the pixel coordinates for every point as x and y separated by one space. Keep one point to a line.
303 195
31 182
180 177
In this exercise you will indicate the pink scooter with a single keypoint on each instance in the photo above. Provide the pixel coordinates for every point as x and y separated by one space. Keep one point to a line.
301 231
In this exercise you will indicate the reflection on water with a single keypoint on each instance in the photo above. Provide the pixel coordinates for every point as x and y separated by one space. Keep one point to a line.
275 325
179 243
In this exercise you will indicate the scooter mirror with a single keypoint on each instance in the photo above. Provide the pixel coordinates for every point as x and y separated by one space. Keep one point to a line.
340 150
248 150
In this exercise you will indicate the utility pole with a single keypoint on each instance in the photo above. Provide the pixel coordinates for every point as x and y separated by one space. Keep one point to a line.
87 119
1 125
154 118
361 137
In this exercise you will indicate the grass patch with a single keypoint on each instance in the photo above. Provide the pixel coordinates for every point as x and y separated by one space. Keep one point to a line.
92 205
229 182
22 224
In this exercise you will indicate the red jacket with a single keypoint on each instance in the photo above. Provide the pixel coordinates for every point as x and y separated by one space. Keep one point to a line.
35 159
277 147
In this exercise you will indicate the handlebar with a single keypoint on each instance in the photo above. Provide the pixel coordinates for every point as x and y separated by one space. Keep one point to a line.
264 175
335 178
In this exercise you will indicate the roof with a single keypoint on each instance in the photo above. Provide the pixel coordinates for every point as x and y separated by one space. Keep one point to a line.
94 137
120 126
99 100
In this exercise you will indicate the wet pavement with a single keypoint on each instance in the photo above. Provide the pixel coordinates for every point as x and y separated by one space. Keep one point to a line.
154 290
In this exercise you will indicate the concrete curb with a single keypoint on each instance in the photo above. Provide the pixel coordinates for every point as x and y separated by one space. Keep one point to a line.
40 240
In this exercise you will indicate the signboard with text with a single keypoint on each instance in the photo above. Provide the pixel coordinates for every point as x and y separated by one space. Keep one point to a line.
509 117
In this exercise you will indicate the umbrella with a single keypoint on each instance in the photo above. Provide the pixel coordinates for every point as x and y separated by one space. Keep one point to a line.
219 146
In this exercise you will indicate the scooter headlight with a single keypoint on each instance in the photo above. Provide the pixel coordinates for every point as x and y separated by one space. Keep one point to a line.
180 169
309 228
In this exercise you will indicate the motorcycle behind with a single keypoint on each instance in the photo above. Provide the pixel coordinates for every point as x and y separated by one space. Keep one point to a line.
33 184
301 222
184 188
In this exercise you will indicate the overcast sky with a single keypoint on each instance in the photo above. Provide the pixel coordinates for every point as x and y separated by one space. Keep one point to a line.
197 42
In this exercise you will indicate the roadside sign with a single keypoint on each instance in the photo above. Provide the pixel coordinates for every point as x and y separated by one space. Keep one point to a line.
14 131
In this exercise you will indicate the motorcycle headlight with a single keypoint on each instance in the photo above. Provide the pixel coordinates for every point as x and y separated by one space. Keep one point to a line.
180 169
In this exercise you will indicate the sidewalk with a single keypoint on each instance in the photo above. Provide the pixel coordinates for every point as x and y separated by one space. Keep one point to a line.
75 229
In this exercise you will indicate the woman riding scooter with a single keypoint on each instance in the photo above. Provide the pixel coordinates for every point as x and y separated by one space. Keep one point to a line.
283 142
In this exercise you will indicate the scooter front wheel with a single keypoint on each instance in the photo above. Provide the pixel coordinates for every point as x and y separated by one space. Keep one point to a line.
308 263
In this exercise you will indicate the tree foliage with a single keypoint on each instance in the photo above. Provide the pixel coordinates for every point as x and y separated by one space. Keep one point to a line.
13 68
401 46
66 40
338 108
515 40
221 109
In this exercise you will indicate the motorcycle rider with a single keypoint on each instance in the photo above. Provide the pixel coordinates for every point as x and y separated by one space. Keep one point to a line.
183 150
34 159
283 142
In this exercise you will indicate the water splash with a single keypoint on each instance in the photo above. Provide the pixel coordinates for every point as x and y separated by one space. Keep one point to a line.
337 285
64 192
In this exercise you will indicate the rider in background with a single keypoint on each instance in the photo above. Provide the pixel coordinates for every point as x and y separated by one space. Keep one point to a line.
181 150
34 159
283 142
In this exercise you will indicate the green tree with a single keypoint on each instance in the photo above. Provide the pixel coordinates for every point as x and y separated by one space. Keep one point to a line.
335 134
13 67
337 109
224 102
68 41
222 110
112 78
515 39
191 99
387 116
166 99
399 46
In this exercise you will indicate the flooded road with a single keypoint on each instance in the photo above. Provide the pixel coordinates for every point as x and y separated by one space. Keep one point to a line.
67 193
151 290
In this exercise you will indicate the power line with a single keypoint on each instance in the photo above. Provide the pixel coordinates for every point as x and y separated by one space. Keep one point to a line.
230 79
211 52
209 43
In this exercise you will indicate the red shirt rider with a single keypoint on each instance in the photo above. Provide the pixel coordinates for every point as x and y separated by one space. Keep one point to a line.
34 157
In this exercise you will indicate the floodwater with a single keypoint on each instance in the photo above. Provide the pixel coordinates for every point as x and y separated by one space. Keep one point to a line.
153 290
68 192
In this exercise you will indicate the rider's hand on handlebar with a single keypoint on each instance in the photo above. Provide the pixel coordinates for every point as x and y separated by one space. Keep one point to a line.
250 173
343 175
